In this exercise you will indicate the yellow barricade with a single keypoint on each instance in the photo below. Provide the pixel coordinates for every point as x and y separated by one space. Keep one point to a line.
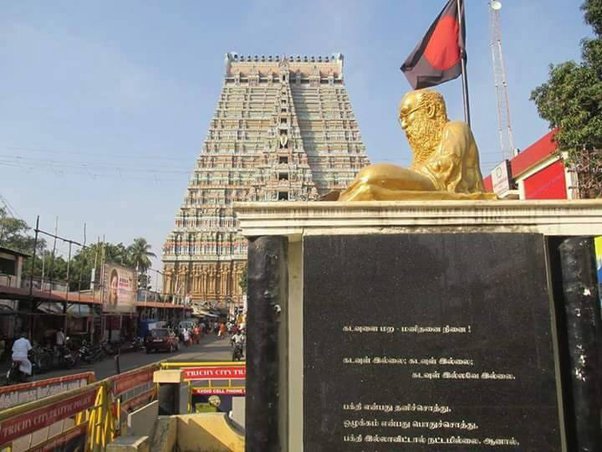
92 414
96 413
211 378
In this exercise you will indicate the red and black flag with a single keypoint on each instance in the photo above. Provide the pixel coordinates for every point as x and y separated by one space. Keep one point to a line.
438 57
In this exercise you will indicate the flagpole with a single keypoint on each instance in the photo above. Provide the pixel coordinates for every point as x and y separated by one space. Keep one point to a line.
460 5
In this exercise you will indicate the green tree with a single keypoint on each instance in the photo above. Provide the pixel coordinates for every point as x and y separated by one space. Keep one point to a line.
15 234
139 254
117 253
571 100
83 262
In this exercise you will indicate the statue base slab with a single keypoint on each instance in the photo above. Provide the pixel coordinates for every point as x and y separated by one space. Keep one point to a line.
422 325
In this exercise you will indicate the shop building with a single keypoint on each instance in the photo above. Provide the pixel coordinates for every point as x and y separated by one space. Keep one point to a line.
537 172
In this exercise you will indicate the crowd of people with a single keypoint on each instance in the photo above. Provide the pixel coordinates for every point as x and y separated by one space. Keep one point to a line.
191 334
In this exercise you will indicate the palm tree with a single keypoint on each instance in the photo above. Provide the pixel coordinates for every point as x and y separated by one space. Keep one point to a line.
139 253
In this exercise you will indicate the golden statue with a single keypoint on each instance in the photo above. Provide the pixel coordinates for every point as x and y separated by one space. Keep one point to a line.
445 163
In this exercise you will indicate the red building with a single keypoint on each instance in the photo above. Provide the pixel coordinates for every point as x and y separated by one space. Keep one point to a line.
537 172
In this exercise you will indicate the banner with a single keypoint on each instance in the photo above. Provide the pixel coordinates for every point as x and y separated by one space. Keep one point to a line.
125 383
38 418
27 392
236 372
134 389
119 288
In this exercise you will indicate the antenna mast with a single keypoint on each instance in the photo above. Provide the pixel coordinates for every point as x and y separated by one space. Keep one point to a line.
501 85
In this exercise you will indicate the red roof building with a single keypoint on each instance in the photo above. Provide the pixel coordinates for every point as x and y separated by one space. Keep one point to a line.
537 172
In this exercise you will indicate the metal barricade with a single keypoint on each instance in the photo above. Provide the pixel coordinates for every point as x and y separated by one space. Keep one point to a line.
90 416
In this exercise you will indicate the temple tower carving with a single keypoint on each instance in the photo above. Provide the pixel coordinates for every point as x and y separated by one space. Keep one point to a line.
283 130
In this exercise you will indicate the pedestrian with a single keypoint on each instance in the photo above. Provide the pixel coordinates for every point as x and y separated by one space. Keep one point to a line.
21 348
60 338
186 337
196 333
222 330
238 343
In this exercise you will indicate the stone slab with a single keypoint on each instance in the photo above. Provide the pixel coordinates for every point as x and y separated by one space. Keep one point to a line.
296 219
142 421
129 444
167 376
428 342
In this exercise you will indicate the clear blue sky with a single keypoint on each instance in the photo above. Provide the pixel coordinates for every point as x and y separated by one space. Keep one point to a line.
104 105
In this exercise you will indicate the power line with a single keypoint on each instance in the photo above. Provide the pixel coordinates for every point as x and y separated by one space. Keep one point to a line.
9 208
142 155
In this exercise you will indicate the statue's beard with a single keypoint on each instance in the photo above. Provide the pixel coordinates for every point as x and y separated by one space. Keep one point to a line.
423 137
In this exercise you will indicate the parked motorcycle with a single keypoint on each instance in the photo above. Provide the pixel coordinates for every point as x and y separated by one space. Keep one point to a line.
110 348
137 343
66 358
91 353
42 358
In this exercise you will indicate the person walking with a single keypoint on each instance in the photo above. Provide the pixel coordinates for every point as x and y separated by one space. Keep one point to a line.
222 330
21 348
60 338
186 337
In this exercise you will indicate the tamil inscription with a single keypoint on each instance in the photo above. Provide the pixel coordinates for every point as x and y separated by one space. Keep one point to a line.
428 342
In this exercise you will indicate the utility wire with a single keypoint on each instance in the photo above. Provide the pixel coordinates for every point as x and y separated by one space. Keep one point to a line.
10 209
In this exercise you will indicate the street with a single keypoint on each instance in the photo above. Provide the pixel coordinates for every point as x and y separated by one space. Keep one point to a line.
210 349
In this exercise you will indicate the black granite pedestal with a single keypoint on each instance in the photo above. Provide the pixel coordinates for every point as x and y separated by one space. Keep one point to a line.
428 342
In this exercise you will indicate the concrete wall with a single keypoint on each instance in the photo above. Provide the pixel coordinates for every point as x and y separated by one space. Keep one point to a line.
142 421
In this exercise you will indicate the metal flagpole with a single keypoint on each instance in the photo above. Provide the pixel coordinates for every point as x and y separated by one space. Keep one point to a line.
460 5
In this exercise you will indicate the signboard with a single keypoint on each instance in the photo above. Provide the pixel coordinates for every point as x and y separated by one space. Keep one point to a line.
119 288
27 392
218 391
500 178
211 380
215 373
38 418
430 344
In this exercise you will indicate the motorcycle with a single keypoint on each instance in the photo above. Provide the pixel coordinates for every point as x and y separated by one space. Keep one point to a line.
15 375
237 352
42 358
66 358
91 353
137 343
109 348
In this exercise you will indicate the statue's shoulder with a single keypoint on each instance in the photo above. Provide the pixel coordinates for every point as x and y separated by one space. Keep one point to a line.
458 130
457 127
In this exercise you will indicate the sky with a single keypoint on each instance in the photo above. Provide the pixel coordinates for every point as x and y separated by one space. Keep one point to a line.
104 105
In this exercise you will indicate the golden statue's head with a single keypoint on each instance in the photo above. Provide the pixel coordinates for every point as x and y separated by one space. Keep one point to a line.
422 115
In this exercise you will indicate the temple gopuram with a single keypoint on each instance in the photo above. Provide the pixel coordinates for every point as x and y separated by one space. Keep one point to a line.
283 130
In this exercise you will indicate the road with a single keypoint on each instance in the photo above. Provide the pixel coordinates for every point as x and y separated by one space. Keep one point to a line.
210 349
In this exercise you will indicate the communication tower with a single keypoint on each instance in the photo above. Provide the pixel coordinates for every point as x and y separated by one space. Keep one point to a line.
501 84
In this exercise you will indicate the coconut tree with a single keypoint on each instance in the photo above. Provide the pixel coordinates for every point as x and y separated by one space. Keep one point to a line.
139 253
